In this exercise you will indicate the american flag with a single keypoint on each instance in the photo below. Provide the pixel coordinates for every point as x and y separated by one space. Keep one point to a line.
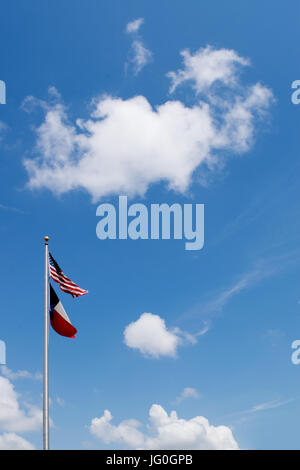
64 282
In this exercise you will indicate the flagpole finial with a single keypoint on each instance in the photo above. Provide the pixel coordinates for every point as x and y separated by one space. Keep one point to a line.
46 240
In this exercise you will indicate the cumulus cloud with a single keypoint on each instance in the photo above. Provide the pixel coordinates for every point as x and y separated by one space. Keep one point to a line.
11 441
151 337
164 432
13 417
127 144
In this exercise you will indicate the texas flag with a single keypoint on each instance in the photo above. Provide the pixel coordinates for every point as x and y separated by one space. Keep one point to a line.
59 320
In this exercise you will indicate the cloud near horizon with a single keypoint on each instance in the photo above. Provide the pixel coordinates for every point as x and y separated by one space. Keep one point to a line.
13 417
11 441
16 417
127 144
164 432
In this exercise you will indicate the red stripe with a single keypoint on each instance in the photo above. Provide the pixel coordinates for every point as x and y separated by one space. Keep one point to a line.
57 279
63 279
68 289
61 326
62 276
69 286
76 294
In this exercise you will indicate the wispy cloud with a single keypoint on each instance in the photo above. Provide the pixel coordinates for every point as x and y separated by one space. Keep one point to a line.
139 55
251 413
134 26
188 392
263 204
3 129
217 300
273 336
60 401
20 374
12 209
267 406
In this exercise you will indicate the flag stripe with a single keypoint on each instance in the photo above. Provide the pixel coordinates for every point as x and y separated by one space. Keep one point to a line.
63 281
65 284
61 326
59 319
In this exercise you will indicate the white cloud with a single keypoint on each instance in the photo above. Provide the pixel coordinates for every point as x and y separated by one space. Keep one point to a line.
207 66
188 392
126 431
262 269
164 432
134 26
12 417
151 337
140 55
126 145
267 406
11 441
250 413
20 374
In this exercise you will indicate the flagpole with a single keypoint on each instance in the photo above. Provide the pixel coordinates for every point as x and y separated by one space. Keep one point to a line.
46 366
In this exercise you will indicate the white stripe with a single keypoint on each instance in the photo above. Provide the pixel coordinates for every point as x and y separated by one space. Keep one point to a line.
60 309
64 281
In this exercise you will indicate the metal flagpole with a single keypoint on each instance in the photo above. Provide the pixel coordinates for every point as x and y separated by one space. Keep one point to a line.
46 368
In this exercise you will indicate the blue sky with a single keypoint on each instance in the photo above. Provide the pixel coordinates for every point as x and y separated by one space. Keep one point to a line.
62 59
